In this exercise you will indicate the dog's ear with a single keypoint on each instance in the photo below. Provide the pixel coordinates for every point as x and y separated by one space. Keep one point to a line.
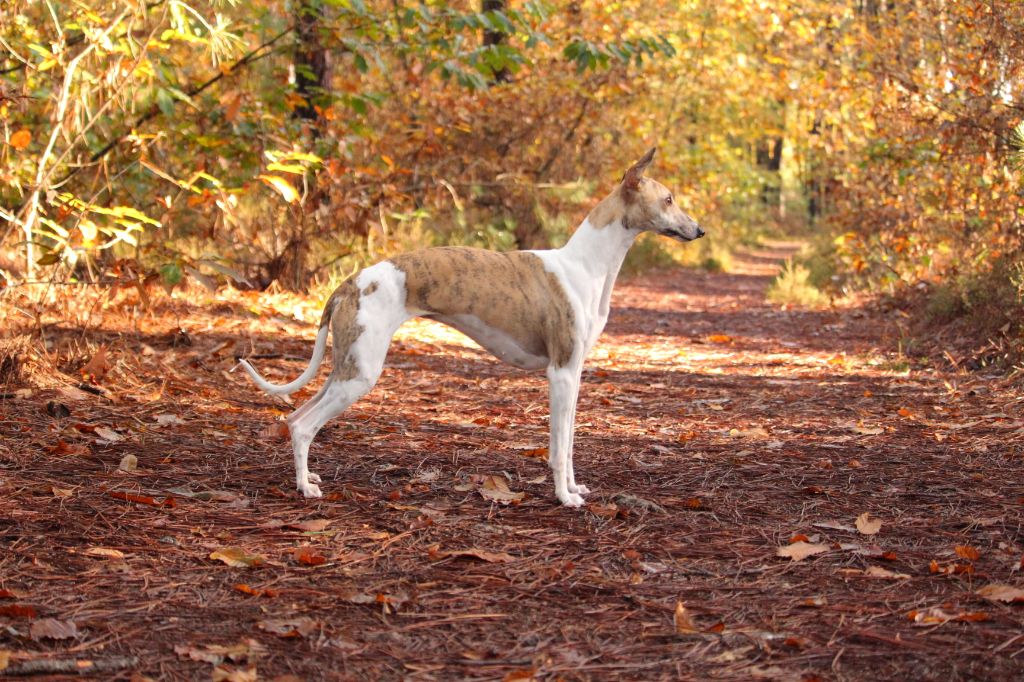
631 180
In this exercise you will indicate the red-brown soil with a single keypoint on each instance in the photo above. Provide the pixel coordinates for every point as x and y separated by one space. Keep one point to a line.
713 427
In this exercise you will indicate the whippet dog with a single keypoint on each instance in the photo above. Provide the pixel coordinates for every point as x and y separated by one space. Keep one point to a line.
532 309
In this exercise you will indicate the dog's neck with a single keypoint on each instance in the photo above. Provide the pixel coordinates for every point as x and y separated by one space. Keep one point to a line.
600 250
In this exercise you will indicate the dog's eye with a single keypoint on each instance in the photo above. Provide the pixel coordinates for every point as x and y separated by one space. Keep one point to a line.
668 199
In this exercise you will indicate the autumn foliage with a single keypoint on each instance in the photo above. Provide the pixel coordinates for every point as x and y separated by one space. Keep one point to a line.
262 142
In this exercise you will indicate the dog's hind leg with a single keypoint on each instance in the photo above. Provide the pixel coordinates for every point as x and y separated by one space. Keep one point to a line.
363 321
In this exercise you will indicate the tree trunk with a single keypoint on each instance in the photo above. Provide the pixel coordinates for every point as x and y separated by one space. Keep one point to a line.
496 37
310 60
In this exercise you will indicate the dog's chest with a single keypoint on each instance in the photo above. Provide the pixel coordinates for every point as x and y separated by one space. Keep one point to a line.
507 302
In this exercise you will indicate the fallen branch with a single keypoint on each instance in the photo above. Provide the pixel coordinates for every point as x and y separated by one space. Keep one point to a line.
48 666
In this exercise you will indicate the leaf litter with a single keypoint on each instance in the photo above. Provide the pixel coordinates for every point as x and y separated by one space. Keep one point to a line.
724 450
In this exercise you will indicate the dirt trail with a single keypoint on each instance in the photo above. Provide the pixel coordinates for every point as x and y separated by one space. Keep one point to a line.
714 429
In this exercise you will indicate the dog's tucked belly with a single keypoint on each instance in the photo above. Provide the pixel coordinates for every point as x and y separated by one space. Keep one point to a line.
503 346
507 302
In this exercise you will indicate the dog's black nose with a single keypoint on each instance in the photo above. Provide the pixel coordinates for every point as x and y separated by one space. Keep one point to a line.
700 232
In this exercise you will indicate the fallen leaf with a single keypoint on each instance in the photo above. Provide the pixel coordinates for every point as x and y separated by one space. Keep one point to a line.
865 430
310 525
128 463
1002 592
683 620
141 499
104 552
879 572
51 628
524 675
109 435
18 611
798 551
495 489
20 139
10 594
97 367
481 554
5 659
256 591
224 673
309 556
236 557
755 432
967 552
868 525
166 419
299 626
276 431
719 338
61 492
246 650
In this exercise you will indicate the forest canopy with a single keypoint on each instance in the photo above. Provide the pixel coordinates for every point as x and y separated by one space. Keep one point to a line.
294 141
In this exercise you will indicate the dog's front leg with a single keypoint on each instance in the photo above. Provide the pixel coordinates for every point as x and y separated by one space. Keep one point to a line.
564 387
573 486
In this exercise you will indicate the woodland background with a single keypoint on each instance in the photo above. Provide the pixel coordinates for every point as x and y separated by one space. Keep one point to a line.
258 142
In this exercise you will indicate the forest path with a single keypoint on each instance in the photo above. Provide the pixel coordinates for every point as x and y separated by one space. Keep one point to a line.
714 428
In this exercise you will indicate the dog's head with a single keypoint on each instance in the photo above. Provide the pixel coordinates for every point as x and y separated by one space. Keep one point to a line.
649 205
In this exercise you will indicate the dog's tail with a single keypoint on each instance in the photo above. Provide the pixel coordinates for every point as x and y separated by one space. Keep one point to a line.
319 348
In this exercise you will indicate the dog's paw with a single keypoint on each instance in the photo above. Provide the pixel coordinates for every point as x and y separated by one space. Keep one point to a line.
313 478
310 490
580 489
571 500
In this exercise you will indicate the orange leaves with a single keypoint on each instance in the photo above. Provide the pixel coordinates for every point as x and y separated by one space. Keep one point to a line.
967 552
97 367
308 556
245 588
683 620
18 611
142 499
719 338
20 139
936 616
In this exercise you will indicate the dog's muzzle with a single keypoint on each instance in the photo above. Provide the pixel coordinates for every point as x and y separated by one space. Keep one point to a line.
676 234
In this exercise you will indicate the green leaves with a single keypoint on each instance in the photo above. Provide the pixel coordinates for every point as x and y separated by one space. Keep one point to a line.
589 55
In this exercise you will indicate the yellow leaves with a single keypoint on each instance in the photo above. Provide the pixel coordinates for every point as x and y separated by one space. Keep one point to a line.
868 524
20 139
283 187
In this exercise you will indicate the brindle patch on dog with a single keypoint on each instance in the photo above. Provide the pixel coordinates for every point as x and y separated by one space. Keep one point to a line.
509 292
340 312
